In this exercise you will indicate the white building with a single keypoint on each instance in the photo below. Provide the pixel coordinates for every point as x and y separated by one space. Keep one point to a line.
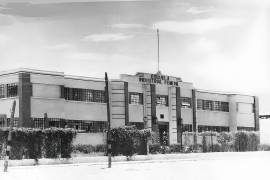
154 101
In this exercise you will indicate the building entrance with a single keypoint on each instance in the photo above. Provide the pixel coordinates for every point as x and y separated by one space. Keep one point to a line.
163 134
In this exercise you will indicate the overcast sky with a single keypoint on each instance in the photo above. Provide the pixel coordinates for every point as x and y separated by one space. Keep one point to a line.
217 45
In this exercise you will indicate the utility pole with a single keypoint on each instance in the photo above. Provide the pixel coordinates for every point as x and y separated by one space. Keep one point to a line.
11 123
158 48
109 142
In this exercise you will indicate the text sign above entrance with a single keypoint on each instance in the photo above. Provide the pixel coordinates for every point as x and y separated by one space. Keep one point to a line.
158 79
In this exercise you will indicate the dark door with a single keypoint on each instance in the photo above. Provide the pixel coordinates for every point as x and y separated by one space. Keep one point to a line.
164 134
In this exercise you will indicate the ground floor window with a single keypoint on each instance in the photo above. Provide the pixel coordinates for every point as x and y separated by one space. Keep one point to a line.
85 125
202 128
187 128
240 128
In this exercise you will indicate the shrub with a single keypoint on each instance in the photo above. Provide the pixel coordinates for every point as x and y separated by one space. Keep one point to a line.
253 141
125 140
101 148
225 139
87 148
175 148
155 148
264 147
84 148
37 143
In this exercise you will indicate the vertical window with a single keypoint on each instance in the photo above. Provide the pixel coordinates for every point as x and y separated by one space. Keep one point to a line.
207 105
216 105
135 98
162 100
199 104
186 102
99 96
225 106
2 91
12 90
89 95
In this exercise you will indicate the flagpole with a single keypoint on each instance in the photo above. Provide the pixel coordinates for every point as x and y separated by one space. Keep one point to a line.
109 145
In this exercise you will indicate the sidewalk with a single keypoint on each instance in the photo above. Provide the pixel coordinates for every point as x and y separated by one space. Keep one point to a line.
141 158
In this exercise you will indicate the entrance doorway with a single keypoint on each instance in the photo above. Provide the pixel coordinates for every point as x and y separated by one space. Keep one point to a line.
163 134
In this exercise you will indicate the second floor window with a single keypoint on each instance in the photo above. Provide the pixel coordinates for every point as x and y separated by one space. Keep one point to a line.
135 98
186 102
12 90
2 91
162 100
88 95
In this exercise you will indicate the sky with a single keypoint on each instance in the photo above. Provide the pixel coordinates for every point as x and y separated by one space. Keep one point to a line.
220 45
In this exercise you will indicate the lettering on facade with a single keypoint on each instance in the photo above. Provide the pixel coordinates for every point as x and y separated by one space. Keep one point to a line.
158 79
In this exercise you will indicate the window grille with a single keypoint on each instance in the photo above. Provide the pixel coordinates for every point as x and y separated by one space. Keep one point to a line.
162 100
135 98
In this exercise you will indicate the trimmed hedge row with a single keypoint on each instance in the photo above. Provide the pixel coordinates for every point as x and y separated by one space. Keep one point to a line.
87 148
128 140
225 142
36 143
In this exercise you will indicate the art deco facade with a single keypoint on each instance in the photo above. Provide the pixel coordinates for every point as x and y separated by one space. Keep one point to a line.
156 101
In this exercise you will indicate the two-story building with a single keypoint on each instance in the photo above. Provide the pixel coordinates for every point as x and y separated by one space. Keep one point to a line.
162 103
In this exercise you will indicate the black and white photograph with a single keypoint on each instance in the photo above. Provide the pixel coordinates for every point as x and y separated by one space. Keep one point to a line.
134 89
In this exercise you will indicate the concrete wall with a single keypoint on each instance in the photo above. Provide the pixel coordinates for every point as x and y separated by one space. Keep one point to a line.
84 84
135 113
6 104
10 78
46 90
90 138
213 118
187 115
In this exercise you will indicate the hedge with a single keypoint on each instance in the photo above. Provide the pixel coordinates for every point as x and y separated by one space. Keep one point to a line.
88 148
225 141
37 143
128 140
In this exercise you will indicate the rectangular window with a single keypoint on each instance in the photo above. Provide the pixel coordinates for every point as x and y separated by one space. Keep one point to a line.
2 91
202 128
212 105
216 105
162 100
225 106
135 98
207 105
199 104
12 90
88 95
187 127
186 102
99 96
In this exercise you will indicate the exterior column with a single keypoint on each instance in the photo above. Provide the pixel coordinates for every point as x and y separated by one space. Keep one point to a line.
178 115
194 110
256 113
126 103
172 115
25 93
153 108
233 113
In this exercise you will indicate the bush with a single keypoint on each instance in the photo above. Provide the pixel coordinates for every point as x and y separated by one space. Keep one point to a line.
101 148
225 139
125 140
87 148
175 148
155 149
264 147
37 143
84 148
